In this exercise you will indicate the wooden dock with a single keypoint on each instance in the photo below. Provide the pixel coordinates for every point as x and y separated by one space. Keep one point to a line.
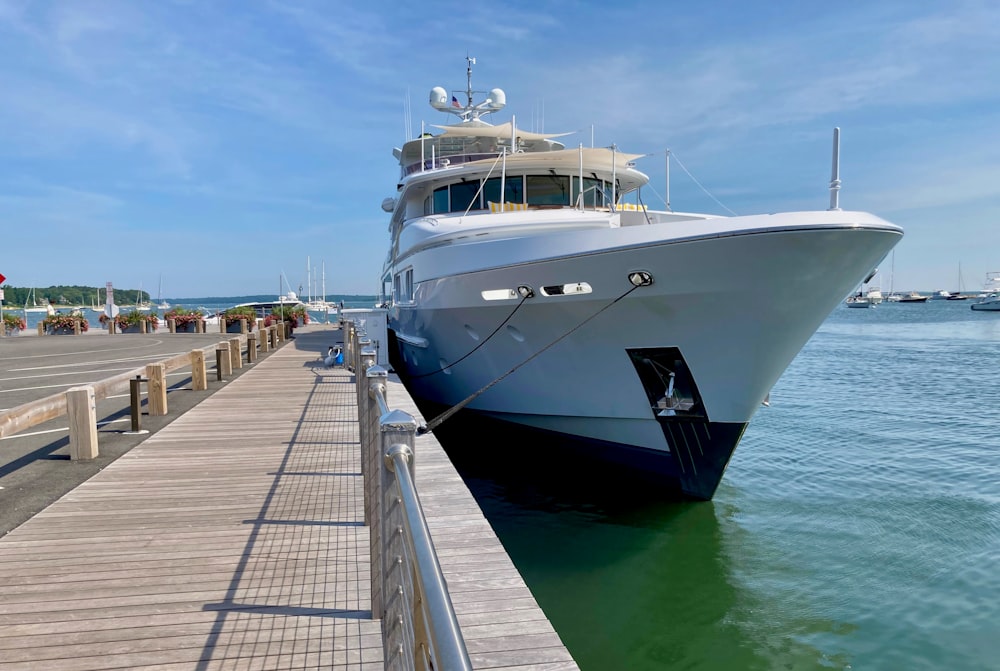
234 538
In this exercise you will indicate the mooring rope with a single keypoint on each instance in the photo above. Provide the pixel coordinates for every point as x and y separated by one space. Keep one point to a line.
437 421
473 350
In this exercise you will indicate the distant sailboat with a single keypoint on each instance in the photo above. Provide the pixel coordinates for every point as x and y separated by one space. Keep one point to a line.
892 297
160 303
957 295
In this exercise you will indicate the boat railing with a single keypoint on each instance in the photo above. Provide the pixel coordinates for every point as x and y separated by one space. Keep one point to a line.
446 161
408 591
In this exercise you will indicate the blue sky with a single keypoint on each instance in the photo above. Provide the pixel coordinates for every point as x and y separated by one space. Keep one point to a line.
218 144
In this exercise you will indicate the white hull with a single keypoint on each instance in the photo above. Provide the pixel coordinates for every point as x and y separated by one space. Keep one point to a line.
724 300
526 286
988 304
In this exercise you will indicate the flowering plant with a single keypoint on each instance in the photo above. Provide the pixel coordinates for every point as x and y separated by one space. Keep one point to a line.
181 316
234 315
136 317
58 321
11 322
293 313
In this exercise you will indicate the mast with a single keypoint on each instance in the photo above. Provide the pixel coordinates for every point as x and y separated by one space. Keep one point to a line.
668 181
835 173
468 76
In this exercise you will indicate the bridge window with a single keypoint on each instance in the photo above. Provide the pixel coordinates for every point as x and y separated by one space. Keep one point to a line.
593 191
465 196
441 200
547 189
513 188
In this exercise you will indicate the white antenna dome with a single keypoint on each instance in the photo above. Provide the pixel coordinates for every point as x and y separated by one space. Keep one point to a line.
439 98
497 99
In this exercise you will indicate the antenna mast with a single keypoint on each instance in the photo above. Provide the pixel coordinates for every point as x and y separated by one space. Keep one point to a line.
835 175
468 76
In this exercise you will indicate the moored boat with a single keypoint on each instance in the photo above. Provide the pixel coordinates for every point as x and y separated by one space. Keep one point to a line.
523 287
990 303
913 297
859 302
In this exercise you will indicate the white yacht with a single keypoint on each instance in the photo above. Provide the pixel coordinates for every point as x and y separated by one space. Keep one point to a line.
527 282
989 303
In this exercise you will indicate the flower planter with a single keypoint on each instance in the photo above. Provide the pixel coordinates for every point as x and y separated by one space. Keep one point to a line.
11 331
60 330
133 328
187 327
235 328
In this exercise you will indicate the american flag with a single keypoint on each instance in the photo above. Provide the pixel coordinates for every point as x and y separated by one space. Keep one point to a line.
455 103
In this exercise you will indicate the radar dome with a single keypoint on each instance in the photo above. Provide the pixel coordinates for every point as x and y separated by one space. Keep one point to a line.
497 99
439 98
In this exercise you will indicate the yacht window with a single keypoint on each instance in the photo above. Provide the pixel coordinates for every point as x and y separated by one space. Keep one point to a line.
464 195
593 191
403 285
513 186
548 189
441 200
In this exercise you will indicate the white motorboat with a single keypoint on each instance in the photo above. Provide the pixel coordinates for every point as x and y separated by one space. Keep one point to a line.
523 288
913 297
860 302
990 303
992 285
940 295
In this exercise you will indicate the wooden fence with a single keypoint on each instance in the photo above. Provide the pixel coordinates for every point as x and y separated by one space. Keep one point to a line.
80 403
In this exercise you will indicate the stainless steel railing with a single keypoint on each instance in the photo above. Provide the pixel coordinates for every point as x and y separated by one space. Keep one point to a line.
409 593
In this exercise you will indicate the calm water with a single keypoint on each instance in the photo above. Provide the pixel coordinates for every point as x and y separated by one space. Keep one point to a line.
858 525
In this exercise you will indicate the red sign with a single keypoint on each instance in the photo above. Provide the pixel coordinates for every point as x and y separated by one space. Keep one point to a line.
2 278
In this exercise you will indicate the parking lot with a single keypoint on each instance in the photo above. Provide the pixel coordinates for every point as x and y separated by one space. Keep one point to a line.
34 464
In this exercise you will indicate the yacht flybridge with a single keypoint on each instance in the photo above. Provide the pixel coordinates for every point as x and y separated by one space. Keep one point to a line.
523 287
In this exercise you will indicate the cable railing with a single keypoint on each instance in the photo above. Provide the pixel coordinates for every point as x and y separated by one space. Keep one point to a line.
420 630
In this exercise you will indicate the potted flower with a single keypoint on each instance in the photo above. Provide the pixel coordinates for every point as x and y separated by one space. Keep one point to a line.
185 321
60 324
232 317
13 324
296 314
131 321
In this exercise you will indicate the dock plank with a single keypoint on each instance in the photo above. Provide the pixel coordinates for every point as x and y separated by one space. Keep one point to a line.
234 538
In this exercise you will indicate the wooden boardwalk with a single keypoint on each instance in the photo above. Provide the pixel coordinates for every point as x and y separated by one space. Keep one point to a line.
234 539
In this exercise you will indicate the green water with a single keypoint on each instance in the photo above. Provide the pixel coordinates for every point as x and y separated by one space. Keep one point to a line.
858 525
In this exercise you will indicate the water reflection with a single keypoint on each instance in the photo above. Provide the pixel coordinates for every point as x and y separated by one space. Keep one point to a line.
629 580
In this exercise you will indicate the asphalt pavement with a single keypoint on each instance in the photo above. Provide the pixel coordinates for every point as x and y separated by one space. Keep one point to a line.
35 468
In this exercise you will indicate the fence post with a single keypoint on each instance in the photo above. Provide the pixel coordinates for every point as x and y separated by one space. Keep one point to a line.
76 326
199 325
393 596
143 327
199 376
41 328
222 324
135 404
265 339
81 410
223 361
368 424
156 389
251 347
234 353
243 325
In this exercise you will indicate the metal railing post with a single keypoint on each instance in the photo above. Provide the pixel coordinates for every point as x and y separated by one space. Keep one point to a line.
390 559
373 408
413 585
